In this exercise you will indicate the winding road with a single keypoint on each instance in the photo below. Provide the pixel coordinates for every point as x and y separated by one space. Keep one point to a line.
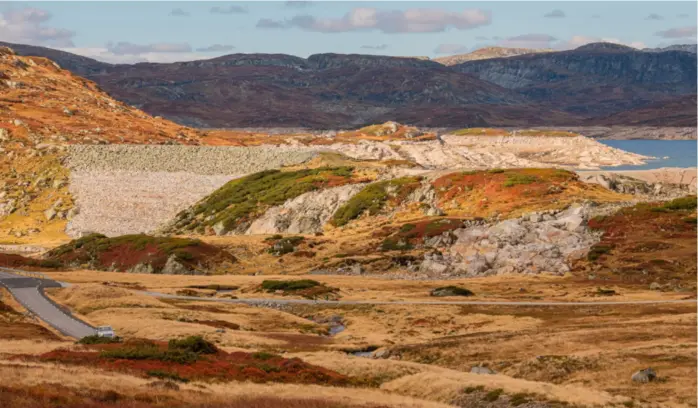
29 292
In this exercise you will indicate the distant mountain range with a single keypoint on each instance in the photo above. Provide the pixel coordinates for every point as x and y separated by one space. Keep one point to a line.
599 83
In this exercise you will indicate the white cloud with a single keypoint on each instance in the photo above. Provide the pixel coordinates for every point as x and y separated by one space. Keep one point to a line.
103 54
557 13
375 47
232 9
269 23
654 16
680 32
27 26
387 21
127 48
178 12
216 48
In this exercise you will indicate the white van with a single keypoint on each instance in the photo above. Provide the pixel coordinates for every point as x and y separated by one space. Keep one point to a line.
105 331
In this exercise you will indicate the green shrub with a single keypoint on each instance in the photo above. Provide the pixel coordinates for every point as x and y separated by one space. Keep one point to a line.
184 255
515 179
194 344
263 355
165 375
392 244
50 263
597 250
518 399
214 287
471 389
493 395
373 198
683 203
496 171
605 292
268 368
95 339
289 285
407 228
150 353
451 291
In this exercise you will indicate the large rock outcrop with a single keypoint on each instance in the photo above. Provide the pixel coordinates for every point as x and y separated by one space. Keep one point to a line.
536 243
305 214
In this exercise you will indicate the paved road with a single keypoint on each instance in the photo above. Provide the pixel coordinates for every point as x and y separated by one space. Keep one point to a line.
267 301
30 293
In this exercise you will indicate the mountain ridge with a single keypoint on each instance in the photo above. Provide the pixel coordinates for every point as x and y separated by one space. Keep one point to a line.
328 90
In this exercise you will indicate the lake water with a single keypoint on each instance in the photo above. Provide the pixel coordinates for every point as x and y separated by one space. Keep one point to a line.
680 153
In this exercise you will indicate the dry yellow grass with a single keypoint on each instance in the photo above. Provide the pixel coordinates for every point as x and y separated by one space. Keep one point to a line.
493 288
32 346
133 314
440 384
444 387
24 374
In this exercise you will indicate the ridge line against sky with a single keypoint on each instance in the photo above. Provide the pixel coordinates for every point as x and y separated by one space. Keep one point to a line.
163 31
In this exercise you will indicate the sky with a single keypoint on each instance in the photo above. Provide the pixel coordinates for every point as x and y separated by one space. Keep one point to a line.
166 31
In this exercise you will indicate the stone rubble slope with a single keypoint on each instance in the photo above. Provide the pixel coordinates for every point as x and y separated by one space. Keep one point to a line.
206 160
129 202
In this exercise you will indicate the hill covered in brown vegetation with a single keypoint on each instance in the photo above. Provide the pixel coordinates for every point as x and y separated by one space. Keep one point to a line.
575 87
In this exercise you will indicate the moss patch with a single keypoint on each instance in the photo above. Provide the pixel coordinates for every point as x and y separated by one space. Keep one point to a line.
374 197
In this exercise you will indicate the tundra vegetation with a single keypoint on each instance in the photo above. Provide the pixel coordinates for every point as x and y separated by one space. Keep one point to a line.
404 203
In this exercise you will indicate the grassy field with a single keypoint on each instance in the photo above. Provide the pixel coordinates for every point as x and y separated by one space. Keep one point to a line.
582 356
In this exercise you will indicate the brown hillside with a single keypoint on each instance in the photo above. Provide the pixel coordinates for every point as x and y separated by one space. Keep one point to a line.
42 103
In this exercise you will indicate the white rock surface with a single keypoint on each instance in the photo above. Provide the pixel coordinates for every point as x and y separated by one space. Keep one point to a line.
305 214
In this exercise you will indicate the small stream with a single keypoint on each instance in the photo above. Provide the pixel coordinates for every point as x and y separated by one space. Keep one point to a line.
336 328
366 352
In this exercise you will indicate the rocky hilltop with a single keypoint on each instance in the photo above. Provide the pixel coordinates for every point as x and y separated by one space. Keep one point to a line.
487 53
329 91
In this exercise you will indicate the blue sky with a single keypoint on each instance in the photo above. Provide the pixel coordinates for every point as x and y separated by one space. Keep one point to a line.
175 31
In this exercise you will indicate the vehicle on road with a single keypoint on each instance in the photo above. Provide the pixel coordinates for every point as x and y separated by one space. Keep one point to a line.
105 331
